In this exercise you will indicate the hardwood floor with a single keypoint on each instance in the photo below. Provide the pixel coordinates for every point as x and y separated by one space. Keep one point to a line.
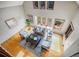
12 46
53 53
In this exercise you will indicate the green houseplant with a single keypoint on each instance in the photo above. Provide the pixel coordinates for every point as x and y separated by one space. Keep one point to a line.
28 22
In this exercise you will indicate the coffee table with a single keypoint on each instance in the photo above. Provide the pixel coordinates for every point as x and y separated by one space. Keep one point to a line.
34 40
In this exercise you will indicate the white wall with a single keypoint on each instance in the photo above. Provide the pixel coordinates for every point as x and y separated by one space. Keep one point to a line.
4 4
72 49
7 13
72 42
62 10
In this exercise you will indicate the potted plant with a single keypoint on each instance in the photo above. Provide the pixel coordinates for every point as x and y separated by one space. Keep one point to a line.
28 22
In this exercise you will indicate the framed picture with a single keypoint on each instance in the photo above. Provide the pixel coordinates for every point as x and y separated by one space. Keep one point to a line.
50 5
42 4
69 30
58 23
49 22
35 4
11 22
43 21
39 20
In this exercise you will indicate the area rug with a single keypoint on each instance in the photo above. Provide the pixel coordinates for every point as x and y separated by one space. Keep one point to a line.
36 51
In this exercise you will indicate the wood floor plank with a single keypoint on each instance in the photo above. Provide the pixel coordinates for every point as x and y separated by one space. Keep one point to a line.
12 45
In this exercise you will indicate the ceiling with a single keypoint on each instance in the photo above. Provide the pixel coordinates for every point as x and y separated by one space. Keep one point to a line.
4 4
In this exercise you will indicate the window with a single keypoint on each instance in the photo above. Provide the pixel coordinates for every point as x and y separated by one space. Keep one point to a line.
43 5
69 30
